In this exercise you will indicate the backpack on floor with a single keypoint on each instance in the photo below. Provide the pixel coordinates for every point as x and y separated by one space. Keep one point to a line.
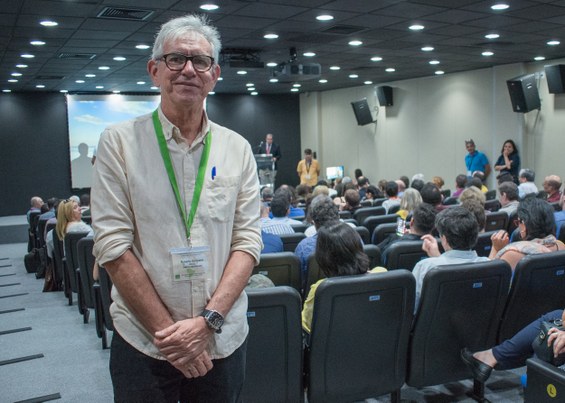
32 261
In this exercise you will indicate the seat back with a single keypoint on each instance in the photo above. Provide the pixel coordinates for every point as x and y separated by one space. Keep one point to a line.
405 255
484 244
445 193
86 263
71 255
460 306
492 205
33 235
58 255
378 202
300 227
393 209
546 382
366 203
41 223
496 221
364 212
374 221
290 241
350 221
282 268
512 222
538 287
364 234
359 338
274 346
491 194
344 214
450 201
382 231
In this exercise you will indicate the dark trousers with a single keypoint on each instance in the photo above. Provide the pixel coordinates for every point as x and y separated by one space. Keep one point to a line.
514 352
137 377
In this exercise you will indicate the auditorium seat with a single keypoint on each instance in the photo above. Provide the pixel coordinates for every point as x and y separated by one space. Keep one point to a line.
71 266
383 231
84 275
373 221
496 221
364 212
491 194
546 382
282 268
405 255
364 234
484 243
290 241
492 205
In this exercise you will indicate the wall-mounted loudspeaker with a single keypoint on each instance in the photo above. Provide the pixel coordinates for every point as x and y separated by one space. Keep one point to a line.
555 78
524 93
362 112
384 94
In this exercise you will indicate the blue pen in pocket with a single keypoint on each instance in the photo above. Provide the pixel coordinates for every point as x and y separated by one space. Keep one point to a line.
213 172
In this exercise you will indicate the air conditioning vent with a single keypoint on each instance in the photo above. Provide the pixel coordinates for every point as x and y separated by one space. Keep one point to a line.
120 13
77 56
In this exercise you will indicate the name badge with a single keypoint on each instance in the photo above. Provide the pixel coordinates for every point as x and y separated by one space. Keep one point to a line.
307 176
189 263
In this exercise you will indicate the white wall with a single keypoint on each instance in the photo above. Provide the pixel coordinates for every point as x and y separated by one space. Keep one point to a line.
425 129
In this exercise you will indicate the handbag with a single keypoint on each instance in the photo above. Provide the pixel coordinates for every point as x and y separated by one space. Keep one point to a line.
541 349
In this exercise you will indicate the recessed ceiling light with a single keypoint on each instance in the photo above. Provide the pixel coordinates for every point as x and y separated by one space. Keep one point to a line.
142 46
209 7
272 64
39 86
539 58
553 42
64 91
21 66
90 75
309 54
335 68
325 17
487 53
210 93
416 27
49 23
440 72
427 48
353 76
376 59
270 36
156 88
27 56
251 88
390 70
12 80
294 90
6 90
79 81
367 82
103 68
492 36
99 87
355 42
499 6
16 74
119 58
37 43
322 81
434 62
115 92
140 83
249 85
296 85
274 80
254 93
242 72
221 79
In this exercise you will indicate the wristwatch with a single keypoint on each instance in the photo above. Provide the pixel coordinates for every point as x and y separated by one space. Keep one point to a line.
214 319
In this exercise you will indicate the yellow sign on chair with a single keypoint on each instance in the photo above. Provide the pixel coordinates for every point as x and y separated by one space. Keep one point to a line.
551 390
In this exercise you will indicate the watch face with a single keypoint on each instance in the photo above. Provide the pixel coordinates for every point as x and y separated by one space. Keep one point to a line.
214 319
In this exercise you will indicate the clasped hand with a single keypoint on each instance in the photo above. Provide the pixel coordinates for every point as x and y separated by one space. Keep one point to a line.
499 240
184 345
557 337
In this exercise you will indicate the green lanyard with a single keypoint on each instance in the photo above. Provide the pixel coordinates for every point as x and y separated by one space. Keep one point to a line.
172 178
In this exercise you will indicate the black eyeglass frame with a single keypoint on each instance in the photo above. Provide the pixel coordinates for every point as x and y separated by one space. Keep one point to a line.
186 59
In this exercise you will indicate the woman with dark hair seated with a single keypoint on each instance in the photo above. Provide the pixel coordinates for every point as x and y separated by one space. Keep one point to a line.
537 231
339 252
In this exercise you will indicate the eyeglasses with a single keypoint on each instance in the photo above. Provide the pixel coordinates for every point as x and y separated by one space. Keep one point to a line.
177 62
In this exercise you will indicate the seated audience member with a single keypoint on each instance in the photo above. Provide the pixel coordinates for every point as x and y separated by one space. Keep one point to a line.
537 230
508 197
68 220
391 192
406 181
35 206
382 186
85 204
460 184
266 194
295 211
340 201
373 193
351 201
478 210
431 195
514 352
271 243
559 217
421 223
551 186
481 177
527 185
44 209
322 211
50 213
418 184
401 187
419 177
438 181
473 192
358 173
458 232
318 190
302 193
409 201
362 185
339 252
280 223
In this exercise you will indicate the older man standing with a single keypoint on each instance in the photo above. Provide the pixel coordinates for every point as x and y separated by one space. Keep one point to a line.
175 206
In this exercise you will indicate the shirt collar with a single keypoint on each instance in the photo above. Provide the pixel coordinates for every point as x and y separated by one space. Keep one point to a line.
171 131
464 254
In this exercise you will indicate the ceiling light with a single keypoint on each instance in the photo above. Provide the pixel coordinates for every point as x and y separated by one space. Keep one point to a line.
16 74
249 85
104 68
272 64
335 68
251 88
325 17
64 91
115 92
487 53
433 62
254 93
242 72
37 43
440 72
294 90
140 83
309 54
221 79
49 23
270 36
353 76
355 42
390 70
90 75
12 80
39 86
6 90
27 56
119 58
274 80
79 81
499 6
553 43
142 46
209 7
427 48
156 88
539 58
296 85
21 66
492 36
416 27
212 93
99 87
376 59
322 81
367 82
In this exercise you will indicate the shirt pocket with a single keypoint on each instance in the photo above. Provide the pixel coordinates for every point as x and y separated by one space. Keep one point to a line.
222 194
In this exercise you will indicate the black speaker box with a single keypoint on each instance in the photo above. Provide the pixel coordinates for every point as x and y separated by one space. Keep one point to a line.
555 78
524 93
362 112
384 94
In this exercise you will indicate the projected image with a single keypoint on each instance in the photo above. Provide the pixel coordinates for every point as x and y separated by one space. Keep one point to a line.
88 117
334 172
